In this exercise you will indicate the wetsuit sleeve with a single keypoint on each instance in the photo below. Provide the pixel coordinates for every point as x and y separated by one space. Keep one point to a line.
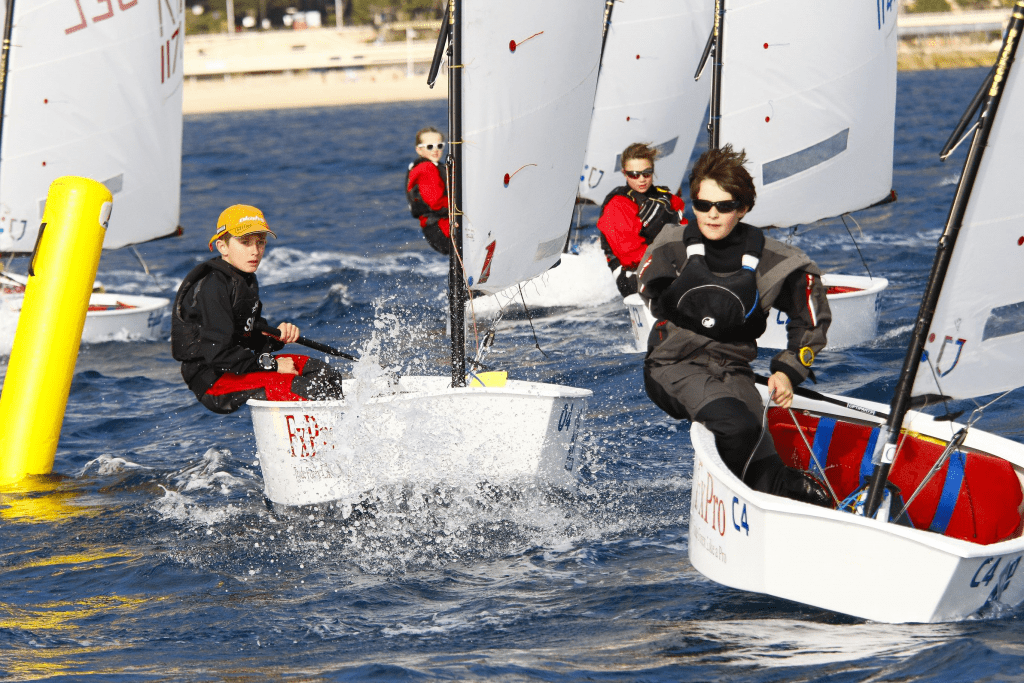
428 179
679 206
268 344
660 268
217 343
803 299
621 229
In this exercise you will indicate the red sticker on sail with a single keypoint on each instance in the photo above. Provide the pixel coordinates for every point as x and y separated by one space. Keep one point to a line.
485 272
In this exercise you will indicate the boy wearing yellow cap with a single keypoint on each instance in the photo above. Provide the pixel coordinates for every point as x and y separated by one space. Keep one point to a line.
224 361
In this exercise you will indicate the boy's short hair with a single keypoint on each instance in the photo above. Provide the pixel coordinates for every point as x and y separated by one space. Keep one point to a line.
725 167
238 220
429 129
639 150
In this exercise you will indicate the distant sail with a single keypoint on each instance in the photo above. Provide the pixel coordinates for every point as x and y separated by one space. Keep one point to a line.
646 91
809 91
94 90
528 91
976 337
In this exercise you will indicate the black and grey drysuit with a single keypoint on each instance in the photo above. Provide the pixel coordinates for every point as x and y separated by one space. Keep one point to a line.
712 300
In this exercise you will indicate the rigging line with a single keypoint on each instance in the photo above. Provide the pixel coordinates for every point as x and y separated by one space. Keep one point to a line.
850 232
945 399
760 438
969 133
813 456
954 444
980 409
454 211
536 342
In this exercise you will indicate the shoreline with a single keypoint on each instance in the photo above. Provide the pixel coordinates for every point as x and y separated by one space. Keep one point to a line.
341 87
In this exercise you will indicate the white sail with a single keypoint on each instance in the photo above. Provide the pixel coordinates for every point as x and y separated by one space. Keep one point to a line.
974 345
646 91
529 77
809 91
94 90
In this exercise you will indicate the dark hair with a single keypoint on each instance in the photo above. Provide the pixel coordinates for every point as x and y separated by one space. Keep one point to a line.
429 129
639 150
725 167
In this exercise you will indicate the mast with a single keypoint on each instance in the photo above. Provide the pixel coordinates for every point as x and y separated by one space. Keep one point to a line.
456 276
609 5
5 54
715 116
885 452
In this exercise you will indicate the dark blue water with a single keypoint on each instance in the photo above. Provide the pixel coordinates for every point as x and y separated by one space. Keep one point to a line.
153 557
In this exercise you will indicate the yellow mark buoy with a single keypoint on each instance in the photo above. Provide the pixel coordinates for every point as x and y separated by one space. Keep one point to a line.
61 275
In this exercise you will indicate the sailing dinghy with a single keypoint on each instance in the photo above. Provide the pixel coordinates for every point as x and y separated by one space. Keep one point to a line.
935 532
92 92
522 75
813 104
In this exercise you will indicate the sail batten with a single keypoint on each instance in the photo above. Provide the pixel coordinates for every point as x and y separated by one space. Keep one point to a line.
98 97
809 92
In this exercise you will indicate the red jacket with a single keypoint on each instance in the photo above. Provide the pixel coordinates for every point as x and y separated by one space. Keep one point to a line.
621 228
425 180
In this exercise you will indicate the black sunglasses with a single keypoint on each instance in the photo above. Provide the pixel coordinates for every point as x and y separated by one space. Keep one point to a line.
430 147
727 206
646 173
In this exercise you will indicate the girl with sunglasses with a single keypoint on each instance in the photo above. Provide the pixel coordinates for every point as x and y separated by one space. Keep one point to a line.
711 287
426 190
632 215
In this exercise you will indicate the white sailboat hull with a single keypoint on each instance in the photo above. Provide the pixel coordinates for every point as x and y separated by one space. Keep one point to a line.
854 315
581 279
424 432
839 561
122 317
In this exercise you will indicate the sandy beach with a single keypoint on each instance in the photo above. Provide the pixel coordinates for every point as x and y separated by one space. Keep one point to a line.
307 89
326 68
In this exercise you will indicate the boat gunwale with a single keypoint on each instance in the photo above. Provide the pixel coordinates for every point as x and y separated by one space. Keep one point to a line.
700 435
558 391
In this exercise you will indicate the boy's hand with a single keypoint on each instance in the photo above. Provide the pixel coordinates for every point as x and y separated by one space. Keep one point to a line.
286 366
783 388
289 333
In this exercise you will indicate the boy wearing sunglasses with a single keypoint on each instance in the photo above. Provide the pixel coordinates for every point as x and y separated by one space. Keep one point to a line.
224 359
426 190
711 287
632 215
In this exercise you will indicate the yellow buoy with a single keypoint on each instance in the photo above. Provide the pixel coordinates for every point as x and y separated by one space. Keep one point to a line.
61 276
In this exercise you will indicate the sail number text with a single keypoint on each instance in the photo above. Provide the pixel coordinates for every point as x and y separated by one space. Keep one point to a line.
106 12
710 507
988 570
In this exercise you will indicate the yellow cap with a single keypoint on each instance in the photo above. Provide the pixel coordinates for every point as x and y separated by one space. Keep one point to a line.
240 219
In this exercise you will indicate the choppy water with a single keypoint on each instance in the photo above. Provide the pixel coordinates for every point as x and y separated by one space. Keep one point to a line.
153 556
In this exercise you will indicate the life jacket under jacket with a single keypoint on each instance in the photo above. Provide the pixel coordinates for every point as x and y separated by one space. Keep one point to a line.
651 230
186 322
417 206
725 306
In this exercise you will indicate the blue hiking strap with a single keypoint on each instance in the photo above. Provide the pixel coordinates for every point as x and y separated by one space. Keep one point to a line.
822 439
866 468
950 493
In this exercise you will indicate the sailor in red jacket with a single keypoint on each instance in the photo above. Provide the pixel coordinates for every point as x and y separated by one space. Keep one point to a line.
633 215
426 191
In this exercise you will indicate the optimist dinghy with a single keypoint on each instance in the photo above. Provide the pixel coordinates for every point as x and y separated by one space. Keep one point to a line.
930 527
522 75
88 96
